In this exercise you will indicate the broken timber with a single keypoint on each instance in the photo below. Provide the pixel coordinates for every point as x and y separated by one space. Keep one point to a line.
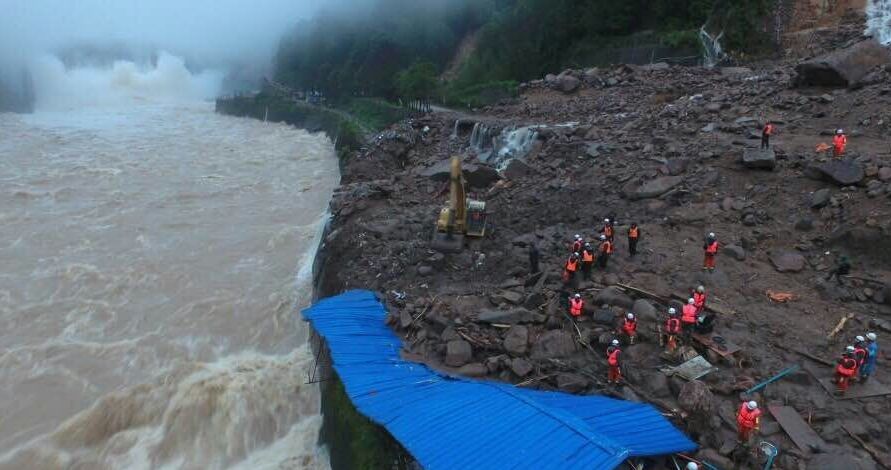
806 354
798 430
880 458
709 306
840 325
872 388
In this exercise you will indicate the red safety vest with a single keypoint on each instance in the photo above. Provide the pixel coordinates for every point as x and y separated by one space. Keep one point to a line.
612 356
577 246
632 232
630 327
861 354
747 418
847 367
608 231
688 314
587 256
768 129
698 299
606 247
712 248
576 306
572 265
840 141
673 326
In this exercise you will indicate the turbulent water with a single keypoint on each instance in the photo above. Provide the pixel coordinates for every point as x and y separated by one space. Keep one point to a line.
878 20
154 257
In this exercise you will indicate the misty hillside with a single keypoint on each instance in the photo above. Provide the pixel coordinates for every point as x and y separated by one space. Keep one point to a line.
366 50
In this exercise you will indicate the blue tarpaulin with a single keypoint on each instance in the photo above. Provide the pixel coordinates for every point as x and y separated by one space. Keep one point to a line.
449 422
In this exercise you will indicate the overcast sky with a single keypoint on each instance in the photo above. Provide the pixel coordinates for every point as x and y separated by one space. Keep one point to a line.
213 31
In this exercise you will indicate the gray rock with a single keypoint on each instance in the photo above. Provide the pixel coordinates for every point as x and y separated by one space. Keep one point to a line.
655 188
657 383
554 344
458 353
473 370
520 366
511 297
516 340
517 169
480 176
842 172
710 127
613 296
644 310
510 317
787 261
567 83
820 198
677 166
735 251
843 67
885 173
425 270
805 224
695 397
759 159
571 383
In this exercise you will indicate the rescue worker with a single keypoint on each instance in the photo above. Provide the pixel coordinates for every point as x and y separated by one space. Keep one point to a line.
576 305
765 135
688 317
861 354
533 258
845 369
587 260
612 359
843 268
570 269
608 230
872 349
633 238
839 142
711 250
606 249
748 418
699 299
577 244
629 327
672 330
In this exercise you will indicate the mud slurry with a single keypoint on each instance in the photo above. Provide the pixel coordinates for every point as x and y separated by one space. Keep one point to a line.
647 123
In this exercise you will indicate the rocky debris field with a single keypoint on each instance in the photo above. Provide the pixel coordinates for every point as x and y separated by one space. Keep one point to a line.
675 150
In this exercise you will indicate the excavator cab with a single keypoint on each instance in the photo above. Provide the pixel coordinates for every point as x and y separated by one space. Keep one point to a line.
462 218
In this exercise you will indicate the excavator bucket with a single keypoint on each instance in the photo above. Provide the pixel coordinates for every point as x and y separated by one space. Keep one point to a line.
445 242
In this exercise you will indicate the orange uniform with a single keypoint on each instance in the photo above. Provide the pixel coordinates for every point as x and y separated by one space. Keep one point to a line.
747 420
612 360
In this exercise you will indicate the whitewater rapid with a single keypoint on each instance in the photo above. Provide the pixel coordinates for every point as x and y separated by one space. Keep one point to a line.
155 256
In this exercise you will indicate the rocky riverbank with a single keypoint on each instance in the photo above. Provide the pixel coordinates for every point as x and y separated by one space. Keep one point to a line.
674 150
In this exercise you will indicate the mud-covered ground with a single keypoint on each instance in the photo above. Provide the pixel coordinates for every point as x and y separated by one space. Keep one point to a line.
683 130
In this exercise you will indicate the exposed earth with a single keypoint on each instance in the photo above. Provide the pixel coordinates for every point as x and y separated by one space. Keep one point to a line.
661 146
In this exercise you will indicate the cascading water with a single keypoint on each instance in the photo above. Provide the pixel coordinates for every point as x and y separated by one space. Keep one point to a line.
511 144
711 46
878 20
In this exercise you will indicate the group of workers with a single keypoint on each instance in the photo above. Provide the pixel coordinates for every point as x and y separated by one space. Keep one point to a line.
858 362
583 255
839 140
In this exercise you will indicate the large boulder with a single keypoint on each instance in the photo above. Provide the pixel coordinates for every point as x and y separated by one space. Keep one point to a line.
820 198
613 296
787 261
644 310
520 366
764 159
554 344
510 317
571 383
844 67
458 353
735 251
566 83
841 172
654 188
516 341
480 176
695 397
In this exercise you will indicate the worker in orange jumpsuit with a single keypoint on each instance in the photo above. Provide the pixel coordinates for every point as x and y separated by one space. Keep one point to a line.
699 297
608 230
845 370
633 238
629 327
748 419
577 244
606 249
576 305
612 359
570 269
861 353
839 142
672 330
765 135
711 250
688 317
587 260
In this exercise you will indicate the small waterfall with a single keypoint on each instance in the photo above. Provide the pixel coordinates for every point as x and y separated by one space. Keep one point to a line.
455 129
480 137
712 53
512 143
878 20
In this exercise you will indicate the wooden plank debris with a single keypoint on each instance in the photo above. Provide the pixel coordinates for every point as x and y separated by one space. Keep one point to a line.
840 325
692 369
806 354
798 430
724 349
880 458
872 388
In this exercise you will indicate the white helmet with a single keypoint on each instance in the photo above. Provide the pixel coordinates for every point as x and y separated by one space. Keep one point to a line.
615 342
578 296
603 237
576 254
871 336
860 339
712 235
577 236
849 349
700 289
630 316
752 405
690 301
840 131
692 466
672 311
606 220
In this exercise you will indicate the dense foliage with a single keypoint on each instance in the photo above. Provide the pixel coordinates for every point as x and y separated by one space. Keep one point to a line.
399 48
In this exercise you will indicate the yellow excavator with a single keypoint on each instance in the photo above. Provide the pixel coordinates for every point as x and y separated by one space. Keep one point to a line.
463 217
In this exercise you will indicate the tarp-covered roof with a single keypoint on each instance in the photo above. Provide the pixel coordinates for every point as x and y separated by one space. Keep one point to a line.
449 422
